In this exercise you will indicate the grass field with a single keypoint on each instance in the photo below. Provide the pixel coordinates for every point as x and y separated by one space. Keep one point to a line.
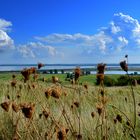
69 112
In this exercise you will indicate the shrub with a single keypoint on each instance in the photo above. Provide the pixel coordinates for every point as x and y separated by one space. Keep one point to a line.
107 81
123 80
55 71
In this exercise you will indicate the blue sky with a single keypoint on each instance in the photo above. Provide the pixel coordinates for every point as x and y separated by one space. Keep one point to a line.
69 31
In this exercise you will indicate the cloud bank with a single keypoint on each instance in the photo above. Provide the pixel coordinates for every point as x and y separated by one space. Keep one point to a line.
121 36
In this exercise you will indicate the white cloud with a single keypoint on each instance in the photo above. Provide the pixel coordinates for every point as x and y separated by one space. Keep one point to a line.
5 40
4 25
114 29
36 49
118 37
123 40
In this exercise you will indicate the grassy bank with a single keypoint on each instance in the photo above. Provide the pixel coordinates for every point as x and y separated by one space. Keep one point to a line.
90 79
69 112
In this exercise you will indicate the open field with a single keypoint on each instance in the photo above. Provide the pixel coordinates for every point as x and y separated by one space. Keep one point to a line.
41 109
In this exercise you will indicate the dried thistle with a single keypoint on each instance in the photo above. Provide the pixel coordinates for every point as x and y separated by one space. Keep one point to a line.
77 104
101 68
48 92
56 92
27 110
15 107
27 72
46 114
77 73
86 86
124 66
40 65
6 105
119 118
13 83
92 114
99 108
62 133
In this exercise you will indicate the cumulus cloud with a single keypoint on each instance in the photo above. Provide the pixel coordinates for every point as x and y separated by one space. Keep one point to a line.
114 29
5 40
119 35
5 25
36 49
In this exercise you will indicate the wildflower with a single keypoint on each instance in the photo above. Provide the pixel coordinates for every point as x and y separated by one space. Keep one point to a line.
15 107
56 92
86 86
8 96
5 105
119 118
13 83
101 68
28 110
77 73
61 134
99 108
76 104
124 66
26 74
40 65
46 114
48 92
128 123
92 114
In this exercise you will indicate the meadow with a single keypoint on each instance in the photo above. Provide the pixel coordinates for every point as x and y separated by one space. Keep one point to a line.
44 109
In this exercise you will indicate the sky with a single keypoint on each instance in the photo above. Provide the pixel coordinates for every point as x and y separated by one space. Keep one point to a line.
69 31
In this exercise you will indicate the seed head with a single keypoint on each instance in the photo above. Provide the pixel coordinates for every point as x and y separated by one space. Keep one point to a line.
6 105
119 118
101 68
28 110
92 114
15 107
77 73
40 65
46 114
124 66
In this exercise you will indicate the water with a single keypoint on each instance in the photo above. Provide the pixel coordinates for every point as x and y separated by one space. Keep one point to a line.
112 68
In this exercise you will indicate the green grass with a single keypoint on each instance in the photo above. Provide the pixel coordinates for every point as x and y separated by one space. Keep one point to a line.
64 113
